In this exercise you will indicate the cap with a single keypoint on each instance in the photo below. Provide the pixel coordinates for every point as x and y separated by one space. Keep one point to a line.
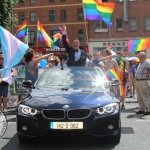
136 60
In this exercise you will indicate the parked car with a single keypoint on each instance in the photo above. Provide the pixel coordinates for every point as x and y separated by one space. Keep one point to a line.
69 102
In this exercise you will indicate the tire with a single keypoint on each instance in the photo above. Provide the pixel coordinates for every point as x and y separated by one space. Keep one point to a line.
22 139
117 137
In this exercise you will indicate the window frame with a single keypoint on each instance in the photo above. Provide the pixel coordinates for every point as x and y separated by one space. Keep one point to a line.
120 29
23 13
133 26
145 23
81 39
32 16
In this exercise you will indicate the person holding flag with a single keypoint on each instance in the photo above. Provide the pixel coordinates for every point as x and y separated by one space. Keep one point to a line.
122 66
76 57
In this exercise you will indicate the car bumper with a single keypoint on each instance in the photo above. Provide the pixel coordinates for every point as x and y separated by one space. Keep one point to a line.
92 127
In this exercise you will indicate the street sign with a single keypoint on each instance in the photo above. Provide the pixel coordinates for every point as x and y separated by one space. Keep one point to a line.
21 70
18 89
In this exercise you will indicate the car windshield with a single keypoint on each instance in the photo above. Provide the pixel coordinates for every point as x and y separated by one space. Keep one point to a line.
75 76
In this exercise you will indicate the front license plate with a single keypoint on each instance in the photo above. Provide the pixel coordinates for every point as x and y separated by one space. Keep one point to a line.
66 125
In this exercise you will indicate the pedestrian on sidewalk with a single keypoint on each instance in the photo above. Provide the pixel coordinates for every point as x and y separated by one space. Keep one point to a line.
3 87
142 86
122 65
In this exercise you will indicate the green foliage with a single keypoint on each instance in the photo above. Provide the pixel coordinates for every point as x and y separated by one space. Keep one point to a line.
7 18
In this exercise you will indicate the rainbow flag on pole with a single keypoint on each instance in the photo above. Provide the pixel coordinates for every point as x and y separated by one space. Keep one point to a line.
43 36
97 10
112 74
22 31
138 45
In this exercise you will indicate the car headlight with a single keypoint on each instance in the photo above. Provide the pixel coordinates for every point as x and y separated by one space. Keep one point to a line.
27 110
111 108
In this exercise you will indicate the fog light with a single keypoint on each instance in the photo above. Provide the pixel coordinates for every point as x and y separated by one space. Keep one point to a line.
110 127
24 128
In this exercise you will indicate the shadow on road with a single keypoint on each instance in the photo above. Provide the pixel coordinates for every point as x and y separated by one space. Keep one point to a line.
61 144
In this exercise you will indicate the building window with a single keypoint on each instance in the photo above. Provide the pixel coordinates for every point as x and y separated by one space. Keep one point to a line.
62 15
81 35
31 35
33 17
52 15
62 0
147 23
21 2
119 24
51 1
21 17
80 13
133 25
122 0
79 0
32 1
100 26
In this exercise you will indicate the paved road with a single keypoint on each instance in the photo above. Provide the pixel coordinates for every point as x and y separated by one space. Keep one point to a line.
135 135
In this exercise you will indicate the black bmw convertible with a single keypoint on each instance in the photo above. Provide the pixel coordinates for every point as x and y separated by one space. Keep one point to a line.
69 102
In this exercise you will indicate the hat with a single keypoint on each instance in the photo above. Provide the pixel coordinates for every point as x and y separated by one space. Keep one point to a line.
136 60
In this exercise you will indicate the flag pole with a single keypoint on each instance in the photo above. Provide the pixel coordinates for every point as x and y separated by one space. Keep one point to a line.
109 34
87 39
37 36
27 38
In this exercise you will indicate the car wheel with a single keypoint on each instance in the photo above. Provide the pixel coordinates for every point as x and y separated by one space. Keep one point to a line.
22 139
117 137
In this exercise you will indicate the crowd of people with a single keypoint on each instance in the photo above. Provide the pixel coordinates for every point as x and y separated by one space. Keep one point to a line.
133 74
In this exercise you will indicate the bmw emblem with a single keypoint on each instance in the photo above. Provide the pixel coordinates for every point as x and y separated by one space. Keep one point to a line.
66 106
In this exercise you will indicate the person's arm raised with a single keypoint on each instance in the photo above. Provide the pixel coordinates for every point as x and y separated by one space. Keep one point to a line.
64 33
36 61
107 57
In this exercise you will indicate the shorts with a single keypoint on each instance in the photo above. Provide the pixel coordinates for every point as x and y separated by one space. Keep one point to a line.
134 82
3 90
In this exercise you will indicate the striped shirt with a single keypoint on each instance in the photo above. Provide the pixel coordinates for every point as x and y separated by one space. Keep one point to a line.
142 70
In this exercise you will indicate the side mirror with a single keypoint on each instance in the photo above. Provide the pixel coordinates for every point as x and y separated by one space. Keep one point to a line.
27 84
115 82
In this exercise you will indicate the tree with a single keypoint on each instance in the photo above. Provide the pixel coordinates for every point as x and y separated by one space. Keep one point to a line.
7 18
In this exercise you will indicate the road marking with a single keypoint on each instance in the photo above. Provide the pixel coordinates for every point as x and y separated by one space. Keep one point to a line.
130 106
143 120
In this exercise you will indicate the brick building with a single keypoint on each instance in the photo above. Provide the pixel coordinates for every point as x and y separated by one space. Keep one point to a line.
52 14
130 20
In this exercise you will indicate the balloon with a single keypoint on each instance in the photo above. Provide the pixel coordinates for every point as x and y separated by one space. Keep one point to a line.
43 63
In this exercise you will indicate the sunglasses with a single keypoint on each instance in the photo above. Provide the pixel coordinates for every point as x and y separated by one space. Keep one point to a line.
1 58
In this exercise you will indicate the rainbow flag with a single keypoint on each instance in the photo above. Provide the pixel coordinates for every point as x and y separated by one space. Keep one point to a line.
112 74
138 45
96 10
57 39
13 50
43 36
22 31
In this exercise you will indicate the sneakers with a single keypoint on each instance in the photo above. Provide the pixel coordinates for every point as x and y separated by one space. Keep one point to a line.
122 106
5 110
139 112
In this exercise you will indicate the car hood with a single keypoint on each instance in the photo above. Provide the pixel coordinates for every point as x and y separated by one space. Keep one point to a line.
46 98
